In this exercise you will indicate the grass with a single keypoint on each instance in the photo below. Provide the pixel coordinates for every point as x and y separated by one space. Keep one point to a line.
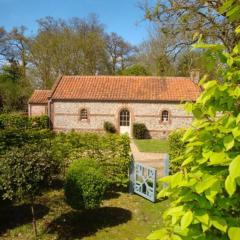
121 217
152 145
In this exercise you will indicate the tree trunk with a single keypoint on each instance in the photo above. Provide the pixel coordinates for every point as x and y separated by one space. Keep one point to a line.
33 219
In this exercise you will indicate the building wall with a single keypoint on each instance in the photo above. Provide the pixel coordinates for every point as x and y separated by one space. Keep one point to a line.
66 116
37 109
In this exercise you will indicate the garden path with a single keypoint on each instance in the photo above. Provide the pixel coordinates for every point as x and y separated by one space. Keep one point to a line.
154 160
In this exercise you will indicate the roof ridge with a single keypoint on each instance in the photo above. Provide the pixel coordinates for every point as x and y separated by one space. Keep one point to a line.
120 76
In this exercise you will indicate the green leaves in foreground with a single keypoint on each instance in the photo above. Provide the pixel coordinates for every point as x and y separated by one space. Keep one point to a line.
205 192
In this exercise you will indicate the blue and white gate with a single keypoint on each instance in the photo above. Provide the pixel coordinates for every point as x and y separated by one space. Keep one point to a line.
143 180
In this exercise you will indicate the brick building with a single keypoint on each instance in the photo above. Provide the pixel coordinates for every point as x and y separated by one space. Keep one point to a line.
84 103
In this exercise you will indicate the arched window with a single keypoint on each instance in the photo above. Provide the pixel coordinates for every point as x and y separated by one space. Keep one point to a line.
124 118
84 114
165 116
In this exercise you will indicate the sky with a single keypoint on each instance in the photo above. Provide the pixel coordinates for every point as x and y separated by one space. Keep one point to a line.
121 16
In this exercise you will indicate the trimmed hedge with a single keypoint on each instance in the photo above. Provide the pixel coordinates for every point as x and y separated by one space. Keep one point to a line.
85 185
19 121
140 131
109 127
17 138
111 151
176 149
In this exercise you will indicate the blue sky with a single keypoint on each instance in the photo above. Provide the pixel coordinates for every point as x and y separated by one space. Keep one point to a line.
123 16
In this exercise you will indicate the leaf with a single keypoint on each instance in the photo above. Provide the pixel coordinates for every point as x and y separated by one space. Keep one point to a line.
186 219
187 161
218 158
234 167
219 223
238 118
205 184
234 233
230 185
176 237
225 6
236 132
197 112
156 235
228 142
204 218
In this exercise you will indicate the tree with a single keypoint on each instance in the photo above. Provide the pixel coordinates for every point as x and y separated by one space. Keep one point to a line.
205 193
14 95
74 47
24 172
182 19
119 52
135 70
153 54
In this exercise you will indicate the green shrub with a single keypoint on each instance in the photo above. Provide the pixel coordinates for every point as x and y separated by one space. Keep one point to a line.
17 138
111 152
20 121
109 127
85 185
140 131
176 149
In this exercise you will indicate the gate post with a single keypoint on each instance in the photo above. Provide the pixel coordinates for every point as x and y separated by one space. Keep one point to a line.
131 175
165 167
166 164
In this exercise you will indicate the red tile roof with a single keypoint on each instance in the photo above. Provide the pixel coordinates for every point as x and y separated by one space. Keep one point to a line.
40 96
125 88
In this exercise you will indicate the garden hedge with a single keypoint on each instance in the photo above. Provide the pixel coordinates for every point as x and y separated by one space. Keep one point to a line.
20 121
111 151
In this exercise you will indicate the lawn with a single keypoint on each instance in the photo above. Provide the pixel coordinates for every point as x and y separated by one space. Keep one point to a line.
152 145
121 217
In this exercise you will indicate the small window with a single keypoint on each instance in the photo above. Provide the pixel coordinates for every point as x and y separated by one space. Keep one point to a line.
84 114
165 116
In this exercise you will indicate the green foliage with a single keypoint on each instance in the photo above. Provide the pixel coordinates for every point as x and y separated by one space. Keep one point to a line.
111 151
135 70
85 185
205 194
109 127
13 93
22 122
25 171
17 138
176 149
140 131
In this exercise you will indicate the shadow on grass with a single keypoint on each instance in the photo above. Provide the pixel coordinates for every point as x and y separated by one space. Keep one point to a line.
12 216
111 195
76 224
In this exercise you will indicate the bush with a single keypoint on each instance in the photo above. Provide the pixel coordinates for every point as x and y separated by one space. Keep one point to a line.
85 185
109 127
111 151
176 149
140 131
20 121
17 138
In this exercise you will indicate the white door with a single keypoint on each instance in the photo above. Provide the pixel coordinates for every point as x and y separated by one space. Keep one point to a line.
124 122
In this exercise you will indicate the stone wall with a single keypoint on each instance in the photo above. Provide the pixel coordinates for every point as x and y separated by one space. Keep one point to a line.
65 116
37 109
